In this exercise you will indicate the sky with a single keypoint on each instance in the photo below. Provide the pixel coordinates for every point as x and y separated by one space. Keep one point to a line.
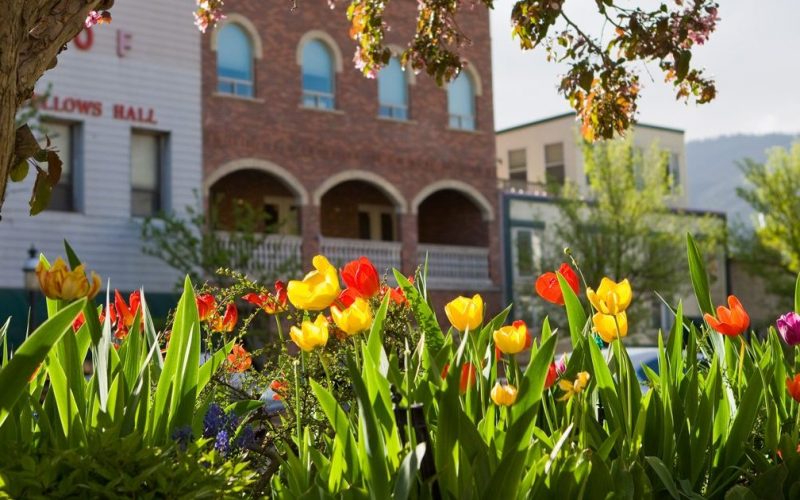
753 56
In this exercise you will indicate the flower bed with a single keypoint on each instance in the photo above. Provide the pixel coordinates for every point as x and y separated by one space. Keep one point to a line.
377 400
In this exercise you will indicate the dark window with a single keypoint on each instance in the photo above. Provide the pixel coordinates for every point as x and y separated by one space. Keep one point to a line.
554 171
364 226
387 227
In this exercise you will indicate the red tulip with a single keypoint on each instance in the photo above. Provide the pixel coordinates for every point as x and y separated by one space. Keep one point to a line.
123 313
227 322
552 375
268 302
469 376
206 306
548 288
362 277
732 320
793 386
78 322
347 297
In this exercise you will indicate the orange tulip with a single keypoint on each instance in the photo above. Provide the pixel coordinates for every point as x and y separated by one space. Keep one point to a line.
239 360
206 306
268 302
732 320
57 282
549 289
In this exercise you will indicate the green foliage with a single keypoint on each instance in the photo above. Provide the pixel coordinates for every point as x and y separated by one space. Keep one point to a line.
122 468
627 229
770 249
601 82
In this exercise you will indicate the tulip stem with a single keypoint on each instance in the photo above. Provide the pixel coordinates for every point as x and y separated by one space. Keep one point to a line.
280 332
355 351
741 365
477 357
325 369
297 403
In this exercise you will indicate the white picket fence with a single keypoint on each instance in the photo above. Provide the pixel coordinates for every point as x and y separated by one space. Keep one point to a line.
385 255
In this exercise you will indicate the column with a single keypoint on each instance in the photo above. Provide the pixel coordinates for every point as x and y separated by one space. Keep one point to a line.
310 230
409 235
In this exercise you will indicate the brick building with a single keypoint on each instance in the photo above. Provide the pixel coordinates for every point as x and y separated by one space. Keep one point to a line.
394 168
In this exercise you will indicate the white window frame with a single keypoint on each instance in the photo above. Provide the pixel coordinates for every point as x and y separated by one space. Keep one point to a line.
374 213
288 225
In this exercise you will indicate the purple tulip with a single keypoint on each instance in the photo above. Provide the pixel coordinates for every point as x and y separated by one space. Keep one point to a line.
789 328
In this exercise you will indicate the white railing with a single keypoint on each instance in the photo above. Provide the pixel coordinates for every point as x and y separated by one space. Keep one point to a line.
385 255
455 266
277 256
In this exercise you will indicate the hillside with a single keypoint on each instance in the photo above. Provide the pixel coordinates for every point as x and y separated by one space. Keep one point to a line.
714 173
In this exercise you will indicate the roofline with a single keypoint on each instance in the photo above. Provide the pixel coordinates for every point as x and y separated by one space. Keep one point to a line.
572 114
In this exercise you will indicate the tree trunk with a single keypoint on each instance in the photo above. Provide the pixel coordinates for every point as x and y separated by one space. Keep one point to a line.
32 33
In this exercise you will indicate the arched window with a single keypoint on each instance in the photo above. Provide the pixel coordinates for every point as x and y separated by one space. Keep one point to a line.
234 61
461 102
393 91
318 74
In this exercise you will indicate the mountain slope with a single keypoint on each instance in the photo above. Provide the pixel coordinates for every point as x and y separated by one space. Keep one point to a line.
714 173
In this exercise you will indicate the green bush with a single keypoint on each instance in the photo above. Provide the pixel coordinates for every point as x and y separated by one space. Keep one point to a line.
122 468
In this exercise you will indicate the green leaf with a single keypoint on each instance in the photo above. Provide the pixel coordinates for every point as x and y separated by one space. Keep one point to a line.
14 374
426 318
576 315
42 190
664 475
797 295
242 408
697 270
210 367
340 423
19 171
744 422
682 64
54 165
407 475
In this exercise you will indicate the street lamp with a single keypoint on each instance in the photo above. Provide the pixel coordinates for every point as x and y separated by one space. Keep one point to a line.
31 284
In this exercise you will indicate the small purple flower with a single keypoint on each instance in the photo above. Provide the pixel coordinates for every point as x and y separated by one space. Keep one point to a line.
789 328
214 421
247 438
182 436
222 442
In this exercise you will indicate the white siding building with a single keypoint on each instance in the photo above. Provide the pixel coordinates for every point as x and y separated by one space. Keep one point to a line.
124 111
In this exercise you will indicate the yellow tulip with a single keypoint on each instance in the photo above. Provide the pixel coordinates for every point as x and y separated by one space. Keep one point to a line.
610 327
318 289
572 388
354 319
611 297
511 339
58 282
465 313
504 394
310 335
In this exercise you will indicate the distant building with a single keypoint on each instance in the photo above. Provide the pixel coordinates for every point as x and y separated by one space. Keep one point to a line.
124 112
531 158
535 154
394 168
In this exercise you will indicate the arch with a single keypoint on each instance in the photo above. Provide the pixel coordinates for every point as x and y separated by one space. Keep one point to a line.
385 186
294 185
397 51
475 77
325 38
470 192
246 25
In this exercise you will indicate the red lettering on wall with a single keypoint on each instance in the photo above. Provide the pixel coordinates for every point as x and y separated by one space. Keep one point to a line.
134 114
73 105
85 39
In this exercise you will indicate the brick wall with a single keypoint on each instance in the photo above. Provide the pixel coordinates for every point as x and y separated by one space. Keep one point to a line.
313 145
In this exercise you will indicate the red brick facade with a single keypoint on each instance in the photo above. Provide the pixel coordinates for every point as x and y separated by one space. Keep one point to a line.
313 145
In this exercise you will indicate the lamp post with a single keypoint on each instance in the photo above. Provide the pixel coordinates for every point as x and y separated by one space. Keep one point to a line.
31 284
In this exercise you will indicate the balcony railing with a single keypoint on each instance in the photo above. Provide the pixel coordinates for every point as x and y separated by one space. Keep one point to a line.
275 256
455 266
524 187
385 255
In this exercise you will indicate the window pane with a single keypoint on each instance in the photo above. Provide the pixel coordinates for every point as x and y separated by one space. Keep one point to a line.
554 174
364 231
317 67
675 169
524 247
554 153
387 227
234 53
143 203
392 88
516 159
461 102
144 161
